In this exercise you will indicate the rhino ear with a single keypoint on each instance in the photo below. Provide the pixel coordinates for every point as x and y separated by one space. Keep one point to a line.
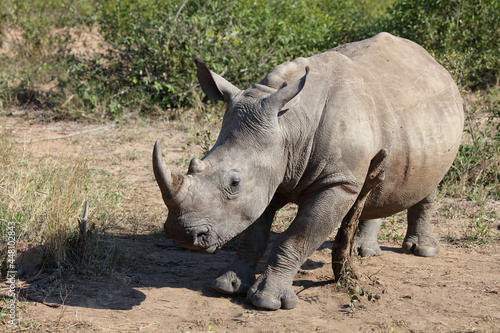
283 99
214 85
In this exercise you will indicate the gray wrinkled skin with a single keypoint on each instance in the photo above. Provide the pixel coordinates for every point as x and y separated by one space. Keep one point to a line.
306 134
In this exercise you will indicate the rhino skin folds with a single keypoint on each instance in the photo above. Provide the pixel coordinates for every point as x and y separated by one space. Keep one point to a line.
306 134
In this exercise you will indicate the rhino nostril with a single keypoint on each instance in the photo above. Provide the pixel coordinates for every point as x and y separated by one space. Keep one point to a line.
201 239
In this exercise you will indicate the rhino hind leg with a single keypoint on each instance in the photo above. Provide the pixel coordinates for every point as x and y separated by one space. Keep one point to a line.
366 244
420 239
239 275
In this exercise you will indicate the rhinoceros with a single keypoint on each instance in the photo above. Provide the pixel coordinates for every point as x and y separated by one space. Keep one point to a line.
306 134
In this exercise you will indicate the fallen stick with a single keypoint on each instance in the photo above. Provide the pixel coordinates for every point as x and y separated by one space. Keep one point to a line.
40 300
342 249
25 292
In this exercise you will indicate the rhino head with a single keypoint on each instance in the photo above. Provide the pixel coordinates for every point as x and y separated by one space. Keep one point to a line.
226 191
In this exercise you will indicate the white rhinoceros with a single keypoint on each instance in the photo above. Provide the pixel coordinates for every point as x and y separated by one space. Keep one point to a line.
306 134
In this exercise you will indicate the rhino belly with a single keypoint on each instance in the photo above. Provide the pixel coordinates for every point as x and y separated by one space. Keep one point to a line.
413 172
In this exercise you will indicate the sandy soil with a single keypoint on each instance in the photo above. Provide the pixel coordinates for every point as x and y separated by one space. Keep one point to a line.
165 288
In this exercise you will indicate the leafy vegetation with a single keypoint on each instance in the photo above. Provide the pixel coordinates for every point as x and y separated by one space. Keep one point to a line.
154 43
453 28
144 62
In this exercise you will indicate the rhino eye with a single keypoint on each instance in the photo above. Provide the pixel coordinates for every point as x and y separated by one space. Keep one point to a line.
232 188
235 182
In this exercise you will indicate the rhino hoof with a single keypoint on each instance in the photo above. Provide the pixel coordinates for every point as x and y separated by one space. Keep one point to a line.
421 248
224 286
269 303
365 243
368 251
271 296
233 283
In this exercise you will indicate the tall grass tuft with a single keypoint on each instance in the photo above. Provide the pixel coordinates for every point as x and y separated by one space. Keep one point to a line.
45 199
475 174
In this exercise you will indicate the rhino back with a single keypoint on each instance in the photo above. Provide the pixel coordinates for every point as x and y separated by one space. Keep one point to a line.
383 92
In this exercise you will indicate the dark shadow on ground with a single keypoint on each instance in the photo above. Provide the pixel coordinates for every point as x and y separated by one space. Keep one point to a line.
152 261
391 249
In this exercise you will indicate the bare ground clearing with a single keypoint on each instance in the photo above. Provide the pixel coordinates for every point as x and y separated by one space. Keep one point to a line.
167 289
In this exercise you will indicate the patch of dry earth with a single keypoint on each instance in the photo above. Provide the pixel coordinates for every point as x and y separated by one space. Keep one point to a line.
167 288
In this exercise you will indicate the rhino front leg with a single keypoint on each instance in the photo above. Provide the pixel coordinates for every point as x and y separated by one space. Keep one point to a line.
366 244
316 219
239 275
420 239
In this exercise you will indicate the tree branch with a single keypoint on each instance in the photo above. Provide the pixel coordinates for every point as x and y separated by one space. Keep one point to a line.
342 249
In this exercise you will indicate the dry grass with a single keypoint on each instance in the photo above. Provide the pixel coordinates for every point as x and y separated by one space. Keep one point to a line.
45 198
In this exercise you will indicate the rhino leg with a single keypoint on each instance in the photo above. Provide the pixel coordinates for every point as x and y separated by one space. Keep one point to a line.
317 217
366 244
419 238
239 275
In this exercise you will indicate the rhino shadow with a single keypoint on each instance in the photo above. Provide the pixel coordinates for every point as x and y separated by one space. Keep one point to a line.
394 249
149 261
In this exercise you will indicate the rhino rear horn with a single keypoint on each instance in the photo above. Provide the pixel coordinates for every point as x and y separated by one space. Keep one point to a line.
172 186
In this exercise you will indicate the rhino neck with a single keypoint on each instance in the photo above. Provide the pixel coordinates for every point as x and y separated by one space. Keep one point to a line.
299 127
300 124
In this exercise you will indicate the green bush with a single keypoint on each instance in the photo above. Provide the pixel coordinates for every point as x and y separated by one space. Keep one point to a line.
146 63
458 27
475 174
154 43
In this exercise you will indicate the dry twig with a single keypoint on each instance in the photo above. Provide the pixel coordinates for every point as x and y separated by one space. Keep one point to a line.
342 250
82 223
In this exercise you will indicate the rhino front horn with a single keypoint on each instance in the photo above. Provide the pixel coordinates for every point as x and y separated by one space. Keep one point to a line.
172 186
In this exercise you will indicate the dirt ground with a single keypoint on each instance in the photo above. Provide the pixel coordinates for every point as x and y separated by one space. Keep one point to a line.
166 288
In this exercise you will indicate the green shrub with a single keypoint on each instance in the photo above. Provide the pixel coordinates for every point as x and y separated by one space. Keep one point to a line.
470 27
154 44
146 63
475 174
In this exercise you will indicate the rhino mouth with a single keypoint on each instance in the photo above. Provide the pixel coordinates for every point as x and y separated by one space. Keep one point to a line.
208 241
210 250
198 238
